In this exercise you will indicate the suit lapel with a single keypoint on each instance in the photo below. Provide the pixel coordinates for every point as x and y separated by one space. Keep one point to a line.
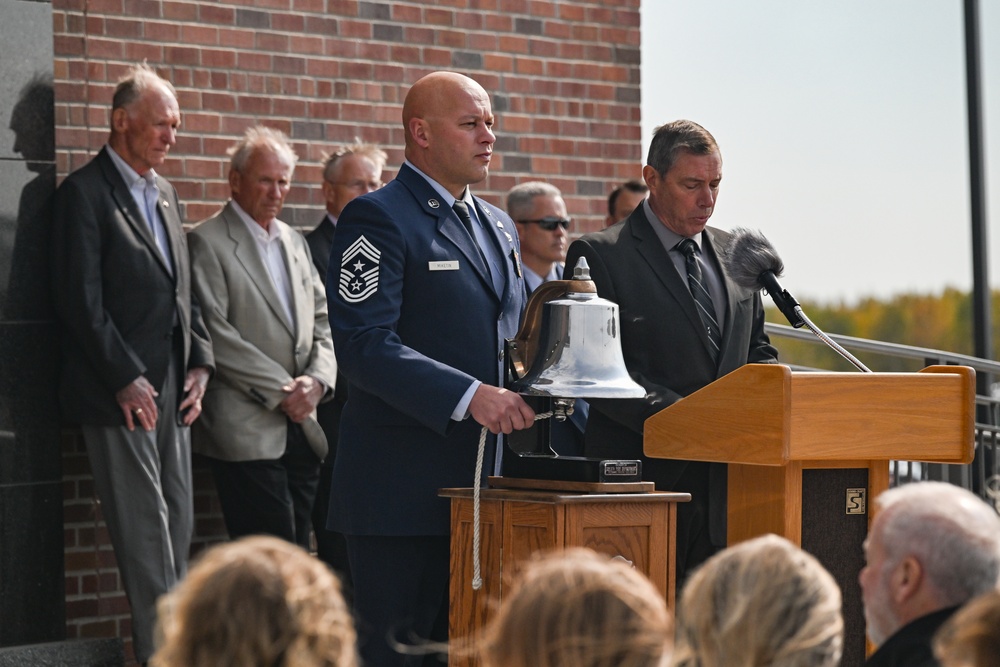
126 204
651 249
718 241
171 218
503 246
711 242
249 257
302 304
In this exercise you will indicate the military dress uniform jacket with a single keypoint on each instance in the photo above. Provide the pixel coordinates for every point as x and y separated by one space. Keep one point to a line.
415 319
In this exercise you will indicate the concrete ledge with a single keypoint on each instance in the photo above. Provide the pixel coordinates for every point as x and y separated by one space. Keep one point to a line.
70 653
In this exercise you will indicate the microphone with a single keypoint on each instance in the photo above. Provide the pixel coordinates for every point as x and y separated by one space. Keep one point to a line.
753 263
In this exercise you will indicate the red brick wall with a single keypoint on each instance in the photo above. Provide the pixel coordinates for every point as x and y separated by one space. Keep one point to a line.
564 78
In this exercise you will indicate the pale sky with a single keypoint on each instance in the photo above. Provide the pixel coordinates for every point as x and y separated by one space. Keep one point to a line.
843 131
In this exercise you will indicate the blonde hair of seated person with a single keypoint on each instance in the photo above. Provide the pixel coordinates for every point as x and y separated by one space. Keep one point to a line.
577 608
258 601
760 603
971 637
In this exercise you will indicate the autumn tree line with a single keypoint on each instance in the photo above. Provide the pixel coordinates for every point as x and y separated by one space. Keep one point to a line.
938 321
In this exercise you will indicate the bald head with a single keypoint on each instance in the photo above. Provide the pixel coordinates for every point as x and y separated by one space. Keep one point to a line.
447 119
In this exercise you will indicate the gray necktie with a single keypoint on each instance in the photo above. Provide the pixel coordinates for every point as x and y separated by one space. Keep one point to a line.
706 309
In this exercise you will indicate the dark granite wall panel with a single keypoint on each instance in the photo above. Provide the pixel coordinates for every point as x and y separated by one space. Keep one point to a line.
31 538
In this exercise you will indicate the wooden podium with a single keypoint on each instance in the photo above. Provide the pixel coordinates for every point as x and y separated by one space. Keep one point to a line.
808 451
516 523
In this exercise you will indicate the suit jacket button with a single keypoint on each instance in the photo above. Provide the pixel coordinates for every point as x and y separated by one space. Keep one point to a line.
500 356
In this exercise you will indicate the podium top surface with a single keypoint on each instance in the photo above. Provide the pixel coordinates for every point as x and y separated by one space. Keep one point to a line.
567 498
766 414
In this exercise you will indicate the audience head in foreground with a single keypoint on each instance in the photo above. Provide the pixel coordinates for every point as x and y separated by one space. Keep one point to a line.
258 601
577 608
932 547
971 638
763 602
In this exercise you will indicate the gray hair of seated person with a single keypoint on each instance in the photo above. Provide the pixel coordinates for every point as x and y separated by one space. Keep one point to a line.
763 602
952 533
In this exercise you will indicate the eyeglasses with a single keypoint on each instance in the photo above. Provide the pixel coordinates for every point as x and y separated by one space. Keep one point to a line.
549 223
359 184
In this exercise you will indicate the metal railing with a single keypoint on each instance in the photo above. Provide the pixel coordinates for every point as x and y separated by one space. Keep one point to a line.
982 476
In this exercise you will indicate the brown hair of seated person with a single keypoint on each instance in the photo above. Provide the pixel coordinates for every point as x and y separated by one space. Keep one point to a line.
577 608
971 638
763 602
258 601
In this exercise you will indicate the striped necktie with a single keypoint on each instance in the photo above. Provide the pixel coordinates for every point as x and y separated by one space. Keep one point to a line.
706 309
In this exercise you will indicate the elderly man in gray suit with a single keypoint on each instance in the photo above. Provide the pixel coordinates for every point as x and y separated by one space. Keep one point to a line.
265 306
135 351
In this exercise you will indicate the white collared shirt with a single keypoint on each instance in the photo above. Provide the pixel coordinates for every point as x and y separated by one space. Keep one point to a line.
145 193
268 242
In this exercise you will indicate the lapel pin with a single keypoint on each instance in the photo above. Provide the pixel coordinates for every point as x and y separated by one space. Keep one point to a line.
433 203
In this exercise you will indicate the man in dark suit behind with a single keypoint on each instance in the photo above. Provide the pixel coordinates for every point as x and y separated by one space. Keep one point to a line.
666 340
134 349
421 302
350 172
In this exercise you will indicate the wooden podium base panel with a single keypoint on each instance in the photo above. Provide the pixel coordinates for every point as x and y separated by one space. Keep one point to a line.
576 487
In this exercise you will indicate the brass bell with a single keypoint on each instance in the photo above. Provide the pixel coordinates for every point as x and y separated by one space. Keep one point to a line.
569 344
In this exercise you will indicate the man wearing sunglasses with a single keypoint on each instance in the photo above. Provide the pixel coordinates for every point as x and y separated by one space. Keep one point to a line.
539 212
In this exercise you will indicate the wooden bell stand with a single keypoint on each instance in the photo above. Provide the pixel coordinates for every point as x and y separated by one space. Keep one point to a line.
628 520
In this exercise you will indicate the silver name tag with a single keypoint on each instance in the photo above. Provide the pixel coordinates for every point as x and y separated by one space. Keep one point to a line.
443 266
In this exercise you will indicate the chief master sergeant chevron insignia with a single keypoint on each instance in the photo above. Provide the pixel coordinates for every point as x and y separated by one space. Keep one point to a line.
359 271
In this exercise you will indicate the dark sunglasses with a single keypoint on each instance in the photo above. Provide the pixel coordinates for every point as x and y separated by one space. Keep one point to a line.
549 223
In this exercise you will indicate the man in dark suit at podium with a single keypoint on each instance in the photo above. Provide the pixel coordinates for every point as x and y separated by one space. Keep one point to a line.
675 341
932 547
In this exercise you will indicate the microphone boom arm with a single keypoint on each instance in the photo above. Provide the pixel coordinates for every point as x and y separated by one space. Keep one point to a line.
832 344
791 309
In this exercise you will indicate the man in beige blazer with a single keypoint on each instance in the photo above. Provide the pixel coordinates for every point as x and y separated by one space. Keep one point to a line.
265 307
